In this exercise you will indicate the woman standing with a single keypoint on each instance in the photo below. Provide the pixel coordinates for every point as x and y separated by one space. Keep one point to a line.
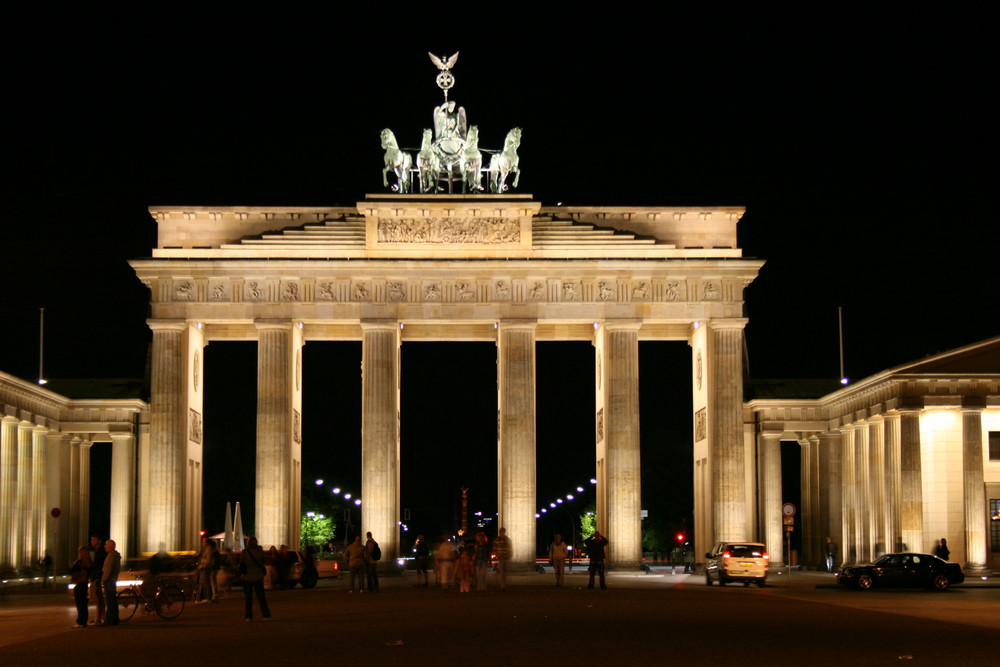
252 569
79 575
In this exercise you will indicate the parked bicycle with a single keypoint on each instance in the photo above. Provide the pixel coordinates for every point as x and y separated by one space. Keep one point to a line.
167 602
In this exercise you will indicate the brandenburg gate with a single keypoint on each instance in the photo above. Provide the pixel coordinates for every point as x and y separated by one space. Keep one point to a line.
477 267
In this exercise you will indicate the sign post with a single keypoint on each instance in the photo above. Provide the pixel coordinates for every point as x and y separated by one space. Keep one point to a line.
788 519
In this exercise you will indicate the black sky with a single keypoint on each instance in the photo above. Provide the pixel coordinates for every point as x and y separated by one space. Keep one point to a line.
858 145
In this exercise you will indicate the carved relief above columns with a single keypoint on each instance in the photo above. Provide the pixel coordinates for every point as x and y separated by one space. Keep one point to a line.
974 491
619 472
278 446
380 434
516 437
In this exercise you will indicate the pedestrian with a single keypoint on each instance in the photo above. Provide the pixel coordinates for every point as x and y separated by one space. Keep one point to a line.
271 568
46 565
420 554
444 562
831 554
558 551
208 570
942 551
465 567
371 568
109 578
502 548
357 557
96 587
482 560
252 570
595 545
79 576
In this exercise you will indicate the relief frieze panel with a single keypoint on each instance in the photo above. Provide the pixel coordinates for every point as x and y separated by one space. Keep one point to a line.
434 230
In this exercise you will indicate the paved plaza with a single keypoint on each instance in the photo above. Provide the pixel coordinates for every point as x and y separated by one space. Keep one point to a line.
651 619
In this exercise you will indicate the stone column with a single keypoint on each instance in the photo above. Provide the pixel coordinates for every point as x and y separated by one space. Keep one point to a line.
77 522
911 482
848 538
890 437
123 491
862 490
831 494
8 493
881 544
812 530
83 499
618 348
380 435
516 438
277 422
769 447
168 438
40 491
976 556
725 418
59 495
25 512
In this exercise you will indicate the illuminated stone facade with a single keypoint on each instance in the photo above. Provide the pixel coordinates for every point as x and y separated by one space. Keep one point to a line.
894 462
401 268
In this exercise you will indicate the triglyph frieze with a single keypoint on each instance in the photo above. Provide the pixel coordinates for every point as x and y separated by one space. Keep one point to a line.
477 231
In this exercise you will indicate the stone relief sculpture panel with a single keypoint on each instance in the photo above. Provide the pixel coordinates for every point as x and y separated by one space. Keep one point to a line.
606 290
255 291
361 292
711 292
195 421
396 290
600 425
700 425
478 231
432 291
196 369
218 292
289 291
536 292
697 368
571 291
184 291
501 290
640 290
673 291
296 427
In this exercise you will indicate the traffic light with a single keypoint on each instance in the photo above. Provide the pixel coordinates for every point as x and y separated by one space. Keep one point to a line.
680 538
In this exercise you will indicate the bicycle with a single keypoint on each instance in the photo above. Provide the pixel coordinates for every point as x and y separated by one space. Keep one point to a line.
167 602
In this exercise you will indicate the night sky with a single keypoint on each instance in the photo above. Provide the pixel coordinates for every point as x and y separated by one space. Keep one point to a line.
859 149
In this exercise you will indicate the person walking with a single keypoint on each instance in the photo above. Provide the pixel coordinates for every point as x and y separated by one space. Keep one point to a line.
420 554
371 567
502 547
482 560
558 551
96 570
357 557
253 569
79 576
596 544
831 554
109 578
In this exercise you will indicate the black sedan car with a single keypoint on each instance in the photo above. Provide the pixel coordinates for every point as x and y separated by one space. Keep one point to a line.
908 570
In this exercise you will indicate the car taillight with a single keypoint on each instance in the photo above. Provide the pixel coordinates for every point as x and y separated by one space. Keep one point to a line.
766 557
726 555
336 565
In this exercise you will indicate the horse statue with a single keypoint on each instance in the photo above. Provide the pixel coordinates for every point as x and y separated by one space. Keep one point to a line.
397 161
471 162
505 162
428 163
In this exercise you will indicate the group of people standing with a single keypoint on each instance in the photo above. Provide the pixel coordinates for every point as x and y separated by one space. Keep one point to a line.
362 561
94 576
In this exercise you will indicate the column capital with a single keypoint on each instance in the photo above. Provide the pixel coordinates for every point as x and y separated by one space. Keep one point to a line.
518 324
380 324
620 325
272 325
727 323
166 325
973 403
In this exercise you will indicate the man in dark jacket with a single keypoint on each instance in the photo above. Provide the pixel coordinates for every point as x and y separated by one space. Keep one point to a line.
252 570
96 588
595 550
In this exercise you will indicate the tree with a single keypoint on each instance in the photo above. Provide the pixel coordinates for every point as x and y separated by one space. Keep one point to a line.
588 523
316 529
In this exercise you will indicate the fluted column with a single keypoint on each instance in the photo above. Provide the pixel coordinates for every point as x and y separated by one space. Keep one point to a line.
911 484
769 444
83 499
848 540
725 416
876 476
277 347
25 514
618 347
975 489
516 437
123 491
831 493
8 492
890 437
168 438
812 530
39 491
380 435
77 522
59 493
862 490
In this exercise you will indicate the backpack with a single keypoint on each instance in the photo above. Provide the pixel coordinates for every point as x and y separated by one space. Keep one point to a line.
376 552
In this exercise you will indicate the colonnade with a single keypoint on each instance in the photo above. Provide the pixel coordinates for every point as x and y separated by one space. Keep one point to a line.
176 397
863 484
